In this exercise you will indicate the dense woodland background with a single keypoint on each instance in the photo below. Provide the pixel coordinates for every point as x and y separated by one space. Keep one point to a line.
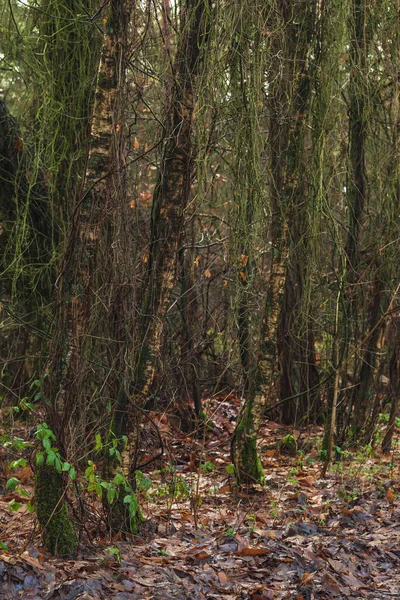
197 198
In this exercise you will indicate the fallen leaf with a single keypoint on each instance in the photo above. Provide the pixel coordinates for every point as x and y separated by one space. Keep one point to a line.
390 496
222 578
252 551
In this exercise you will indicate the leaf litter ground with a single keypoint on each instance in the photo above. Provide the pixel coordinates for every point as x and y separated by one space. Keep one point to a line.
300 536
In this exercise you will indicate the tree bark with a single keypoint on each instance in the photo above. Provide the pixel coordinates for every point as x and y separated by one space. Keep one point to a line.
85 272
170 200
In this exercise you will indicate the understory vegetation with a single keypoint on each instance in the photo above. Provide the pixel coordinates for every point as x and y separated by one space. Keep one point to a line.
199 248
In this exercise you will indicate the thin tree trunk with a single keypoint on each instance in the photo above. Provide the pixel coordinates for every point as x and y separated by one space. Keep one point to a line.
167 220
394 383
297 361
289 100
362 398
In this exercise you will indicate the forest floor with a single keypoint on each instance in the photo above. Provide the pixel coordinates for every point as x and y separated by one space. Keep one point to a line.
301 536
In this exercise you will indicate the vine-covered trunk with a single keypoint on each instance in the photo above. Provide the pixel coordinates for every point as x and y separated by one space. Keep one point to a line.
299 374
299 379
188 313
288 102
170 200
85 274
366 408
394 386
357 201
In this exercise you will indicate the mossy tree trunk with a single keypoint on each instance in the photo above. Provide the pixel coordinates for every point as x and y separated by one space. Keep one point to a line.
355 405
170 200
249 190
299 374
88 272
288 99
57 65
58 533
188 311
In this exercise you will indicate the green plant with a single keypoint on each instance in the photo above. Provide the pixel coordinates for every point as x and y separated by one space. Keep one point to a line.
23 406
323 453
251 522
179 488
111 490
230 469
14 443
113 551
14 484
208 467
292 476
50 455
274 509
143 483
300 460
348 495
35 387
288 444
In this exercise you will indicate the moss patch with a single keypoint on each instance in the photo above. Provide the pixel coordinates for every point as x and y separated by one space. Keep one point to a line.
57 530
247 463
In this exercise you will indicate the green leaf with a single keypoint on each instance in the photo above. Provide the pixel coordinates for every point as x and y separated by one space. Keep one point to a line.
128 499
3 546
12 483
18 463
46 443
230 469
111 493
66 466
132 508
99 443
72 474
30 506
119 479
51 457
40 459
57 463
14 505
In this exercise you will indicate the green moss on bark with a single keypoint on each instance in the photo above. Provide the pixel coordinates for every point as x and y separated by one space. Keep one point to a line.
57 530
245 457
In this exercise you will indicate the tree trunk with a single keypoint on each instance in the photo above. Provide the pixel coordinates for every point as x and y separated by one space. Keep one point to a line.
85 270
394 383
289 97
167 221
299 373
357 195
